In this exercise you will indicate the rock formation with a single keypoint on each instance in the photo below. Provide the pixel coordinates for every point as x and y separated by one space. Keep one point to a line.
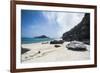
24 50
57 42
80 32
76 46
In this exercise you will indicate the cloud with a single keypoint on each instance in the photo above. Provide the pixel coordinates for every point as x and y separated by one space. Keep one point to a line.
52 24
64 21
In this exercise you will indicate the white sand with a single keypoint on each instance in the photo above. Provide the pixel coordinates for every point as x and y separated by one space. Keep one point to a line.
49 53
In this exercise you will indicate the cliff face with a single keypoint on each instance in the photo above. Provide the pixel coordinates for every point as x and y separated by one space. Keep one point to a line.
80 32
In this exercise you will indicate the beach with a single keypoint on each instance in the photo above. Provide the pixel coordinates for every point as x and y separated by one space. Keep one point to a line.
46 52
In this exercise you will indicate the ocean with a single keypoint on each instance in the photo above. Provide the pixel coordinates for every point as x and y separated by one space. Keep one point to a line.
34 40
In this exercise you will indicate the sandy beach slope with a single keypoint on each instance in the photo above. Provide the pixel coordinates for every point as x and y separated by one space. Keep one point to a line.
46 52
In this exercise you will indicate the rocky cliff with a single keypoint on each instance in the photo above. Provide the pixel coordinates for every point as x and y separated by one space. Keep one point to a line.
80 32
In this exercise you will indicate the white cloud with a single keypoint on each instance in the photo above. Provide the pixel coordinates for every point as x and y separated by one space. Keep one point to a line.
64 21
68 20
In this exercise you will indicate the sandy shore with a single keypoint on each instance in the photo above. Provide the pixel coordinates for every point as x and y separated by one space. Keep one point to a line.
45 52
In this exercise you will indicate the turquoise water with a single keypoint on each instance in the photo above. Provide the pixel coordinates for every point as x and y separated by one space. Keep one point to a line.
34 40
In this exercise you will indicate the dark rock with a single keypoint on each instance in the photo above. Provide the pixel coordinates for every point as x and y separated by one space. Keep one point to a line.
80 32
24 50
57 42
77 49
39 51
57 46
44 42
76 46
86 42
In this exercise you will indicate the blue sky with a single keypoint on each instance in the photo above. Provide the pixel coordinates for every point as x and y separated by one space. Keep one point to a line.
50 23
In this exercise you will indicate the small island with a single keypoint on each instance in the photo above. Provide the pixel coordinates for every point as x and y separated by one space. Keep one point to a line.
42 36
